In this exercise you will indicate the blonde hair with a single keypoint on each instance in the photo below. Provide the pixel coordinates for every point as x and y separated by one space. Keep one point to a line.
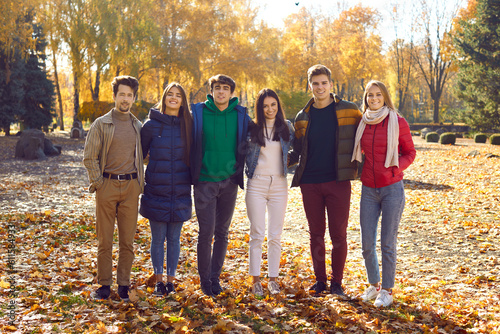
385 94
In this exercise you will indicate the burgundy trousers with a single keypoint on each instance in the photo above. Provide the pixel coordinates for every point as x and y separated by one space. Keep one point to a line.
335 197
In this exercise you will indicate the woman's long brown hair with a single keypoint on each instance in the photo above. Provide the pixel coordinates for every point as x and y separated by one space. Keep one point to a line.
280 126
184 116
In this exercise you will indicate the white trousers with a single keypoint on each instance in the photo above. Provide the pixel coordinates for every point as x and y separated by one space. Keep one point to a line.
263 192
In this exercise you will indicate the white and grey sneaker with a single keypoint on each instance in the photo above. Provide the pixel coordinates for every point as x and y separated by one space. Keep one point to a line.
384 299
370 293
274 287
257 289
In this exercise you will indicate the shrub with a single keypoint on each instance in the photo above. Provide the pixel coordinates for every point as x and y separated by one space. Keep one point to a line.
495 139
448 138
432 137
480 138
140 109
91 110
440 131
459 134
424 132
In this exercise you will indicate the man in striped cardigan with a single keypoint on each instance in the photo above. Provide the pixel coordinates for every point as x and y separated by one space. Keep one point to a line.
113 159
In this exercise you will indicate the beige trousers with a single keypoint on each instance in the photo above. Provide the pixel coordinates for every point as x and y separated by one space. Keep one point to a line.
116 201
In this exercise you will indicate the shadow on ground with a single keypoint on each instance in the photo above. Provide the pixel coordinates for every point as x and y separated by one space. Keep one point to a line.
411 184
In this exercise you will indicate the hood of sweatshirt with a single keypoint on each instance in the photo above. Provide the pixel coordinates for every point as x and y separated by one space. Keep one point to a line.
210 104
211 107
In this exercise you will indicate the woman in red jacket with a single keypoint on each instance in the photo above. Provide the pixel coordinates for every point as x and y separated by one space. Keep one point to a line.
385 139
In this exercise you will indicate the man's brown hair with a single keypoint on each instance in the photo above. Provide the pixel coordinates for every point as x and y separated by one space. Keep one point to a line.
318 70
222 79
127 81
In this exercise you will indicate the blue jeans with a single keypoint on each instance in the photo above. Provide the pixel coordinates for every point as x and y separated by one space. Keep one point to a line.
159 233
388 201
214 203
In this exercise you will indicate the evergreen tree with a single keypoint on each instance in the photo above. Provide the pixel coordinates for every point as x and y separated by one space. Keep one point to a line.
37 105
28 94
477 42
11 93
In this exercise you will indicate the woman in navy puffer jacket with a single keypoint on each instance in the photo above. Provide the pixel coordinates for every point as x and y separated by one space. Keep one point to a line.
385 139
166 201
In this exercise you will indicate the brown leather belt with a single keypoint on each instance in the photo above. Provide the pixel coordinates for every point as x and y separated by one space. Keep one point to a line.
120 177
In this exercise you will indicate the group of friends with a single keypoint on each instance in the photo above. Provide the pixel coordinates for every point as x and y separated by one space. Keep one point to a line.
212 144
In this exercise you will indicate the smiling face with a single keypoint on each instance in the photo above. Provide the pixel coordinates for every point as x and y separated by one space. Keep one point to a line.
321 86
124 98
221 94
173 101
270 107
374 98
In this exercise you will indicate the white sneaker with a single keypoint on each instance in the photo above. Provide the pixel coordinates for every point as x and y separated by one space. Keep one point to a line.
370 293
274 287
257 289
384 299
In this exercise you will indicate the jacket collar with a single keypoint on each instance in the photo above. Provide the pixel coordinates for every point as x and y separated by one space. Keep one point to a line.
336 99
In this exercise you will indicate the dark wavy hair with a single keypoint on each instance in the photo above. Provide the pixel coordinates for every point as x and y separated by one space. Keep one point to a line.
184 116
222 79
258 126
126 80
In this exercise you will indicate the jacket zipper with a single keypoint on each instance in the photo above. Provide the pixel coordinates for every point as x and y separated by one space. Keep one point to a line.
172 149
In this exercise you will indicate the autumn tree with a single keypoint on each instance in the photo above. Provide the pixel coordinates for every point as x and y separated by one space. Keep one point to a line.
300 46
477 44
432 60
351 47
51 18
73 29
401 51
15 30
100 30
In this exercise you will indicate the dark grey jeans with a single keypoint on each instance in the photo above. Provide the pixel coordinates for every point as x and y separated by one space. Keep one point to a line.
214 204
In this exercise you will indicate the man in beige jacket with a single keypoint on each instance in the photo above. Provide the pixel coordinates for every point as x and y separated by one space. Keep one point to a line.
113 159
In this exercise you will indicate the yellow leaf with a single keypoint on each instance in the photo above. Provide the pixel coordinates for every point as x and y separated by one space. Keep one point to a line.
4 284
10 328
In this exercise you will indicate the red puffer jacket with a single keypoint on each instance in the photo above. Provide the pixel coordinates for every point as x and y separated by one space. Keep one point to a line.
374 146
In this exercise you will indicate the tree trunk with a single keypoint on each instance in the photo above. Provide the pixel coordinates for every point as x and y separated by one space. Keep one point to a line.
436 110
7 72
58 92
76 97
95 91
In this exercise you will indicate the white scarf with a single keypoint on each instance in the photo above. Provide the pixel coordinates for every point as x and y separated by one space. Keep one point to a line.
374 117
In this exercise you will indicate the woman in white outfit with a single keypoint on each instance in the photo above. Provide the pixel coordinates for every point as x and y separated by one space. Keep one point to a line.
269 139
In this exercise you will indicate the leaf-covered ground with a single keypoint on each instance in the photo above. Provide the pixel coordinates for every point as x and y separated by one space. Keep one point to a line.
447 277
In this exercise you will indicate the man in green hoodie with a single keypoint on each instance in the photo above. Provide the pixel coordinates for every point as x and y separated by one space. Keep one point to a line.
220 128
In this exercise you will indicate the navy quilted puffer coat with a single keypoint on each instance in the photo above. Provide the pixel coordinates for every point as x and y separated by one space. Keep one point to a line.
167 191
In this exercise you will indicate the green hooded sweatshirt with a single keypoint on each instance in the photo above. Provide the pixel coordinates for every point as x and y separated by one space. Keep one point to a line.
219 141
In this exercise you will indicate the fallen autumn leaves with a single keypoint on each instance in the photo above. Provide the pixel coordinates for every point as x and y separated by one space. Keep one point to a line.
447 279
